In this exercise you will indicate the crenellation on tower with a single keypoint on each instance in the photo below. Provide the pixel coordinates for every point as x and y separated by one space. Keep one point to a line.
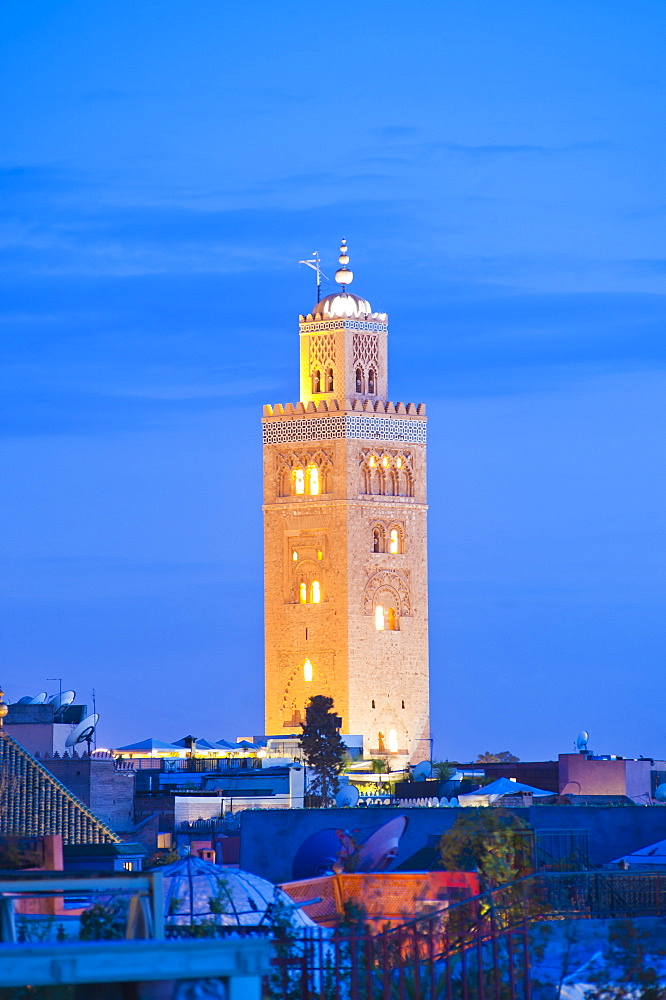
345 506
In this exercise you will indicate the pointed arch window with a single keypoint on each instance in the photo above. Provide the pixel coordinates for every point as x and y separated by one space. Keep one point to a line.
307 671
303 593
315 592
359 380
314 482
329 380
371 382
379 618
376 540
299 481
316 381
394 541
392 620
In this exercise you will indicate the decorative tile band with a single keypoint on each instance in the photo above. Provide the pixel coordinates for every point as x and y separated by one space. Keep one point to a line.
354 427
317 326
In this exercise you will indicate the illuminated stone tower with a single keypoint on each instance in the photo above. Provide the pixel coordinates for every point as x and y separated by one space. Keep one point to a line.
346 603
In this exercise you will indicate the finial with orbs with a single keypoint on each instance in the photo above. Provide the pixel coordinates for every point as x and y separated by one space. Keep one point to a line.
343 275
3 708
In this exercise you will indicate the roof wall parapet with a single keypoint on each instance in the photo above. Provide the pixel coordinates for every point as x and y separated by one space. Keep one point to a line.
278 411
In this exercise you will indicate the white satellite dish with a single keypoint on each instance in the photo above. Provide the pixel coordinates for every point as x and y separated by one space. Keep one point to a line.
39 699
83 733
582 740
347 796
660 792
422 771
62 700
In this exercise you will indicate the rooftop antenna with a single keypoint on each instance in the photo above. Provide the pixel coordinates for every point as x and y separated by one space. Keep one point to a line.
59 680
315 264
94 713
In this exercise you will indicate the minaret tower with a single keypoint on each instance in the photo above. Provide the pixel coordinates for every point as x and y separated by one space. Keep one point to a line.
346 600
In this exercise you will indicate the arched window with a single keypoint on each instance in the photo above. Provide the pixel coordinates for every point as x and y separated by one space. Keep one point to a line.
307 672
303 593
329 380
299 481
376 540
394 541
314 485
315 592
371 382
373 702
359 380
392 620
316 381
392 742
379 618
403 702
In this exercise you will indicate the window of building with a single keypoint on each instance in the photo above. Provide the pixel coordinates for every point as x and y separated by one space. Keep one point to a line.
376 540
313 481
299 481
307 671
373 702
371 382
315 592
294 555
372 461
316 381
392 620
303 593
399 462
379 618
359 380
392 742
329 380
128 866
320 554
403 702
385 461
394 541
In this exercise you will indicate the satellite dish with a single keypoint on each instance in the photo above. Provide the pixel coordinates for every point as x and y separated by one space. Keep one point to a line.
25 700
347 796
582 740
381 847
62 700
39 699
83 733
660 792
422 771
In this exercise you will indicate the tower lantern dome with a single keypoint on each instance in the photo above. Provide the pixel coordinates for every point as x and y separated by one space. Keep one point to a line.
343 304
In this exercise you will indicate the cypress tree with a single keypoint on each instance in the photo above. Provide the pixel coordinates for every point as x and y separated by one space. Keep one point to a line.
322 746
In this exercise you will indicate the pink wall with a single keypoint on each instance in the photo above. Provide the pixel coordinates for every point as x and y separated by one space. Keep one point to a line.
581 776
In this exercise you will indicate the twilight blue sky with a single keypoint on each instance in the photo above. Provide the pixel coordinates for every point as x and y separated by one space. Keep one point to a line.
498 170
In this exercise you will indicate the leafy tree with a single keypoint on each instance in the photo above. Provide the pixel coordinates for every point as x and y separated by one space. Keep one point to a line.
490 841
322 746
443 769
161 858
631 966
103 922
504 757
